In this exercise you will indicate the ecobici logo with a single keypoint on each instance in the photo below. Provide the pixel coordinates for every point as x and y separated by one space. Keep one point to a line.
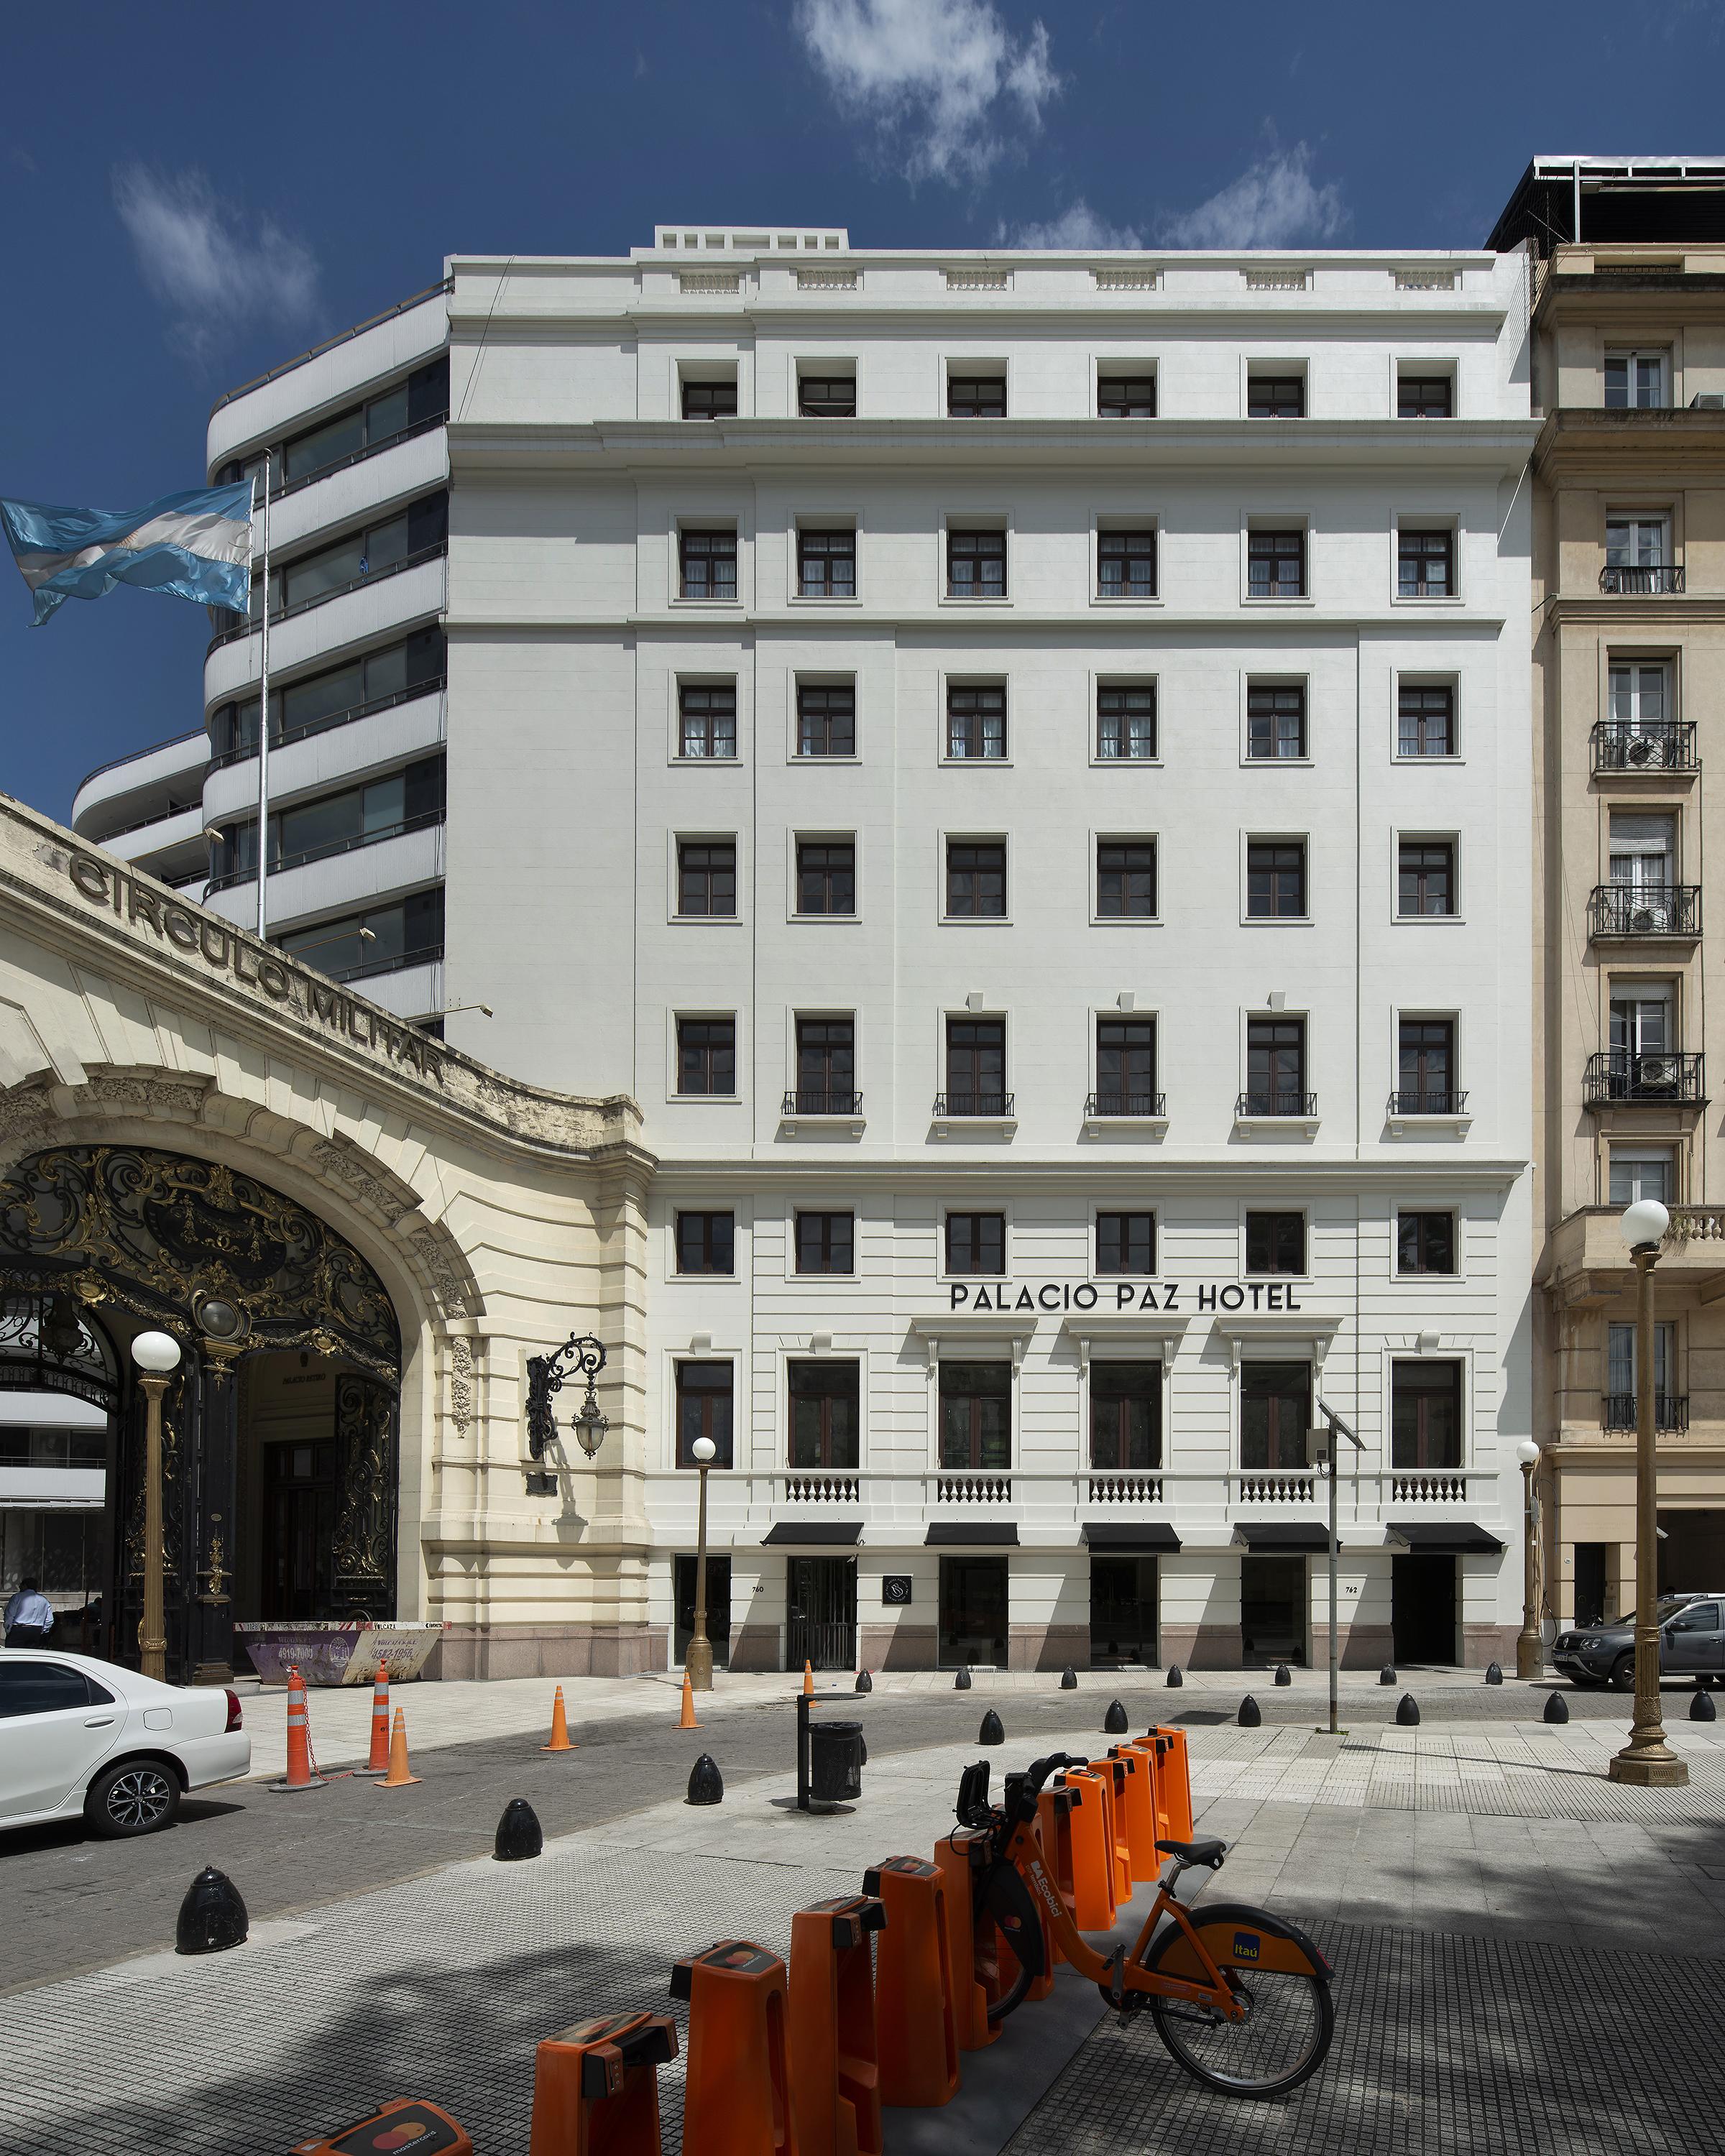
1246 1946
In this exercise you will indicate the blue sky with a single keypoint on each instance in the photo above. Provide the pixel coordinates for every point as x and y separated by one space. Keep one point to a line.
192 193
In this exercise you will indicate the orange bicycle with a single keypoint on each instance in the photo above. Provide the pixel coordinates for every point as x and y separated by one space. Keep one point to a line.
1240 1998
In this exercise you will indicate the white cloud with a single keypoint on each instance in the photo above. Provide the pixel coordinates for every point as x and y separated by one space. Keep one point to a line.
1079 227
214 269
943 80
1273 203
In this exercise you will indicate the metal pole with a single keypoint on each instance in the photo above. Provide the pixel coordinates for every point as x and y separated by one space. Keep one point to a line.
1335 1615
154 1642
1647 1759
698 1662
1530 1646
802 1707
264 723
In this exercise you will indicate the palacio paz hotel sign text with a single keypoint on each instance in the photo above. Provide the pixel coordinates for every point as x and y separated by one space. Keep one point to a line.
228 950
1125 1295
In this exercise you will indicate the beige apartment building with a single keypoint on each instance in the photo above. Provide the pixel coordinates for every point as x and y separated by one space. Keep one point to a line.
1629 701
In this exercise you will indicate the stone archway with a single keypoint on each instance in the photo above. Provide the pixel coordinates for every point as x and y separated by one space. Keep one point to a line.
241 1277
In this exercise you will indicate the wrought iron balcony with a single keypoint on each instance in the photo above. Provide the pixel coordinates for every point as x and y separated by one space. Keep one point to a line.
1656 909
1642 582
811 1101
1671 1411
982 1107
1632 745
1275 1104
1103 1105
1659 1077
1429 1104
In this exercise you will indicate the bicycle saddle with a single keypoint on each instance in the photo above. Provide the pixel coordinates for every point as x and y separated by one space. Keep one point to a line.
1210 1851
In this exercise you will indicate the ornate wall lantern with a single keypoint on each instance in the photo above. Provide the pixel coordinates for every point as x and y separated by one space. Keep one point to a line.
581 1354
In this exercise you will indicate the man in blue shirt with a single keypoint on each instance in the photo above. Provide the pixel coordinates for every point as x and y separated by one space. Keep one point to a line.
29 1616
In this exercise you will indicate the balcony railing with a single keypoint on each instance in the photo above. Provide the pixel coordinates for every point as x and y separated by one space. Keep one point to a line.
1642 582
822 1486
358 456
1429 1103
1656 909
806 1100
281 735
1101 1105
1109 1486
982 1107
248 626
961 1487
1671 1411
1428 1486
1658 1076
1275 1104
368 969
1278 1486
1632 745
327 851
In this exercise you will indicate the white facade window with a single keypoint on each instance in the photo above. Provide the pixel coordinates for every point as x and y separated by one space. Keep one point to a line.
1639 1172
1638 380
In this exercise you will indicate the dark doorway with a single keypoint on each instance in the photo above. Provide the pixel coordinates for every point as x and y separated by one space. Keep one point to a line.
1122 1611
1422 1608
973 1611
299 1524
820 1612
1590 1583
1272 1609
1691 1558
718 1609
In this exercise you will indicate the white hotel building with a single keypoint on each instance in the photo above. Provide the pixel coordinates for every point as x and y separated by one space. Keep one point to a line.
1019 764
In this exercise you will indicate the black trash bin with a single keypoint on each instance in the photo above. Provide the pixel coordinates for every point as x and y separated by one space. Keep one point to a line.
835 1759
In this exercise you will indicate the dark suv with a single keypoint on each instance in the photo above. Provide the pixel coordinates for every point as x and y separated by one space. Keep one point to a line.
1692 1644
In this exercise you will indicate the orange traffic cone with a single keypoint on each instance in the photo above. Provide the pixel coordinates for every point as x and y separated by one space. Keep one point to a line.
686 1720
808 1678
302 1770
377 1764
398 1777
559 1726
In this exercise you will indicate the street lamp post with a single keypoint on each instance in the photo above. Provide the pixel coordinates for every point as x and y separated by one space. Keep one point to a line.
1530 1646
1647 1759
698 1658
158 1357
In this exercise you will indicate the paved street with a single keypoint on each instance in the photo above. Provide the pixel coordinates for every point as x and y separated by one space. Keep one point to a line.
1485 1892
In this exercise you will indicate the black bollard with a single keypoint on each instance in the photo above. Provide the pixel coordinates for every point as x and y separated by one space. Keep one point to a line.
1284 1675
1386 1675
1114 1722
962 1681
707 1784
1557 1708
212 1916
1407 1711
865 1683
1174 1676
991 1732
1701 1707
1494 1673
519 1833
1069 1679
1250 1717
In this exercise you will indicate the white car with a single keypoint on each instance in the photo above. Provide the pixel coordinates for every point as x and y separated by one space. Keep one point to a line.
79 1735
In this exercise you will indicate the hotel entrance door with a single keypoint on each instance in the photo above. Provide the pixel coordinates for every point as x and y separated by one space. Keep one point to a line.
972 1611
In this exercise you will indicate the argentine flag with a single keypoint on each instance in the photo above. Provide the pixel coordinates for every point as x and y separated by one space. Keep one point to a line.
196 546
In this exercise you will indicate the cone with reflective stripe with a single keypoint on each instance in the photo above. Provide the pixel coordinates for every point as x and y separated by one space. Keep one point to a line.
686 1719
301 1774
398 1777
377 1765
559 1726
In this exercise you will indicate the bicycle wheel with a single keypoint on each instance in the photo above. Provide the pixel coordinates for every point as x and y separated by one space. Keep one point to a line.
1286 1984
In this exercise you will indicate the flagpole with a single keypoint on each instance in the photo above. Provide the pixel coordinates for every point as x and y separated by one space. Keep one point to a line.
264 723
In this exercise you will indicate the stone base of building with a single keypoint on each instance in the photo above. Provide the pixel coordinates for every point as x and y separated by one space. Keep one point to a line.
547 1650
1489 1643
755 1647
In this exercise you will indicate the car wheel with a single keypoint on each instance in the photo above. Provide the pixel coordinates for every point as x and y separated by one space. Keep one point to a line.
1623 1673
136 1797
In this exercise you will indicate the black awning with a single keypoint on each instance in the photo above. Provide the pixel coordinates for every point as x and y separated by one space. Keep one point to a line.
1128 1535
1442 1537
997 1532
1283 1534
812 1531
